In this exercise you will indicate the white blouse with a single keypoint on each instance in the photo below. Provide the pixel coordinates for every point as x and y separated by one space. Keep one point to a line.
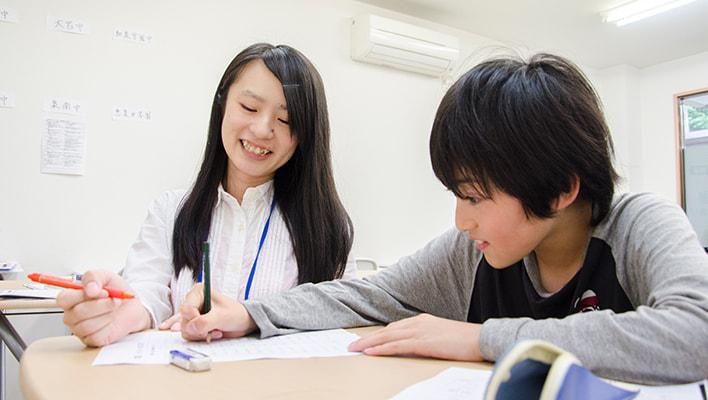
234 235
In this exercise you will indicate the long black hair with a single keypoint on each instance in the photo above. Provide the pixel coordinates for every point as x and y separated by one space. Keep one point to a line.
528 128
319 226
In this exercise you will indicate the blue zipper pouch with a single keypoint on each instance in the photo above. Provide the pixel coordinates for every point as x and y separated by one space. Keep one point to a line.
538 370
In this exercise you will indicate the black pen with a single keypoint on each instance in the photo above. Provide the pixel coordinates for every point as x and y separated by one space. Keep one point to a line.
206 272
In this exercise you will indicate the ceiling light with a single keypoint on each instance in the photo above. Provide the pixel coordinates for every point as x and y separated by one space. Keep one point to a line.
640 9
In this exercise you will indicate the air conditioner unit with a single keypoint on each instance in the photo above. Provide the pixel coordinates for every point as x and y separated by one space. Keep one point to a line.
385 41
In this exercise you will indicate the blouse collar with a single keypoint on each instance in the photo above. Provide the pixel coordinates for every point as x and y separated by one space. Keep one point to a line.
262 193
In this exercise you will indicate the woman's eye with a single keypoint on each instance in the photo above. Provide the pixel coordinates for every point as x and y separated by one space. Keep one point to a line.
247 108
284 121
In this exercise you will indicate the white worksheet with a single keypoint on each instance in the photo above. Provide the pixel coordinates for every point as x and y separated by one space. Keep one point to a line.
451 384
691 391
30 293
153 347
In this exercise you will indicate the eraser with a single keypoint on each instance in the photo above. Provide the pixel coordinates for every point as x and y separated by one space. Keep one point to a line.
190 360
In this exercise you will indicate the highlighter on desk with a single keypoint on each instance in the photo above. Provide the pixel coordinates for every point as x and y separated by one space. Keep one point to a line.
71 284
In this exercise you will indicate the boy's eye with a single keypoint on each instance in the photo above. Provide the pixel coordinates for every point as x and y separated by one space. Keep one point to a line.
471 199
247 108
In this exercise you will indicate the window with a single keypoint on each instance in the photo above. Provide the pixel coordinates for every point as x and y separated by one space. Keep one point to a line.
692 135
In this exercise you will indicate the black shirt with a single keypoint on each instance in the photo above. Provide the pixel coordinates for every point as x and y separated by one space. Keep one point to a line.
509 292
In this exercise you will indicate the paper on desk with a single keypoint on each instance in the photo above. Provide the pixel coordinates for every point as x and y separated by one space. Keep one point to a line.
691 391
30 293
10 266
451 384
153 347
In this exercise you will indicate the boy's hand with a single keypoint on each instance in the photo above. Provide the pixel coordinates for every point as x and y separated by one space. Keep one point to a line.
227 318
424 335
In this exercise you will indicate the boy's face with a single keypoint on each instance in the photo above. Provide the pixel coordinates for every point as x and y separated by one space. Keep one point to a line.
499 226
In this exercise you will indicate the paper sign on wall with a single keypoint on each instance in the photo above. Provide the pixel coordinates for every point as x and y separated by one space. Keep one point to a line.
122 113
58 105
67 25
7 100
8 14
63 148
132 36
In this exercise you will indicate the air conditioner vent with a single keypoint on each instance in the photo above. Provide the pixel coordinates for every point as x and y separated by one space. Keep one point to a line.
384 41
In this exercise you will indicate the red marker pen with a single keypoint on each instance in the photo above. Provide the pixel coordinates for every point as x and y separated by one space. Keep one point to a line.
69 284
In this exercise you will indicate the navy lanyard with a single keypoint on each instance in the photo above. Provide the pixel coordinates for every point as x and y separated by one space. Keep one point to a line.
258 253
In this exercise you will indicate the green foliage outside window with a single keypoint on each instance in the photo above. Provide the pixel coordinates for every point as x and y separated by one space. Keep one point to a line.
697 118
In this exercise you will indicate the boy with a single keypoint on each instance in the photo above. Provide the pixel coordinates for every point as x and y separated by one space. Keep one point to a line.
543 247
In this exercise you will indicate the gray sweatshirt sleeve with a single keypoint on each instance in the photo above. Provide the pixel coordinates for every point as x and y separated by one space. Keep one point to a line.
428 281
664 272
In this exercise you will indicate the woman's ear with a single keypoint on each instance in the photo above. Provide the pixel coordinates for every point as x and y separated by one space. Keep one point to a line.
566 199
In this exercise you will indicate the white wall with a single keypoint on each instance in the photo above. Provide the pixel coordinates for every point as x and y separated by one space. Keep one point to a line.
58 224
617 88
640 110
659 84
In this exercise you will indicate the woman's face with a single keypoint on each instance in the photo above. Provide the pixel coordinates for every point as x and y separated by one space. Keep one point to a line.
255 130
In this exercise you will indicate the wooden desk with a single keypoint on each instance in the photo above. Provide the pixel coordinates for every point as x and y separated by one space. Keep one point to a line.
60 368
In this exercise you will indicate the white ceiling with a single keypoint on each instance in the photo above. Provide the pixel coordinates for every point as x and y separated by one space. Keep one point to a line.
571 27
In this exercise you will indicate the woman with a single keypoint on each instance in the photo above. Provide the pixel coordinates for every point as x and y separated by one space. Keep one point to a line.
264 198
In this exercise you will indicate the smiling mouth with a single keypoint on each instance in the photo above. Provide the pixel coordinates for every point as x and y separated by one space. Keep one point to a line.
481 244
251 148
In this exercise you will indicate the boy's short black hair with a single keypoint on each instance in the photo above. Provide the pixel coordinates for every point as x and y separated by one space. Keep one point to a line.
525 128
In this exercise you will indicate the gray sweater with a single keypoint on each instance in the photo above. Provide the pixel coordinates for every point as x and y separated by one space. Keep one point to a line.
659 265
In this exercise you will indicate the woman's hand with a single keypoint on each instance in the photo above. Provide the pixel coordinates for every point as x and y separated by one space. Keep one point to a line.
227 318
97 319
424 335
172 323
